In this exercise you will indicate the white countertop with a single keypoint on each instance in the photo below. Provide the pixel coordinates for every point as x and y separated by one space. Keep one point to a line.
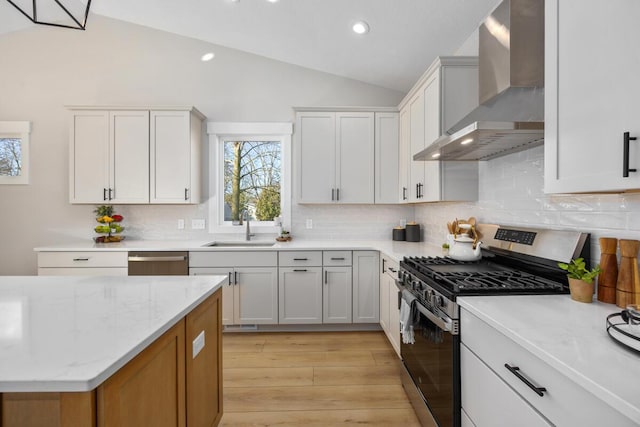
395 250
571 337
71 333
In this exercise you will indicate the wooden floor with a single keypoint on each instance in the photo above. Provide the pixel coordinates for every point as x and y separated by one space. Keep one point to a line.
313 379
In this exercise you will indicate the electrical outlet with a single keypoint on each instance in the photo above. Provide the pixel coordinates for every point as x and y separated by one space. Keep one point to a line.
197 224
181 224
197 344
309 224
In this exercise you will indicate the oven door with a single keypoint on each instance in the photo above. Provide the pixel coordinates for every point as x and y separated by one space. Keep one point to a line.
433 363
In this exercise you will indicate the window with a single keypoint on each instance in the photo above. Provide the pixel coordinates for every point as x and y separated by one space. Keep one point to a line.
250 176
14 152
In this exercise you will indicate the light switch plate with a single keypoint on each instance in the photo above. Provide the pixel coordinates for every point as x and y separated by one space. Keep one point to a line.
198 344
197 224
309 224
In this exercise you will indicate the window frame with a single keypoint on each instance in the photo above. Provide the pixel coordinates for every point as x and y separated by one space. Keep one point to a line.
20 130
219 132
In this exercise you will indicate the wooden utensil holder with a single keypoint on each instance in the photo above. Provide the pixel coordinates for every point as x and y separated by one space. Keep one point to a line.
628 284
608 277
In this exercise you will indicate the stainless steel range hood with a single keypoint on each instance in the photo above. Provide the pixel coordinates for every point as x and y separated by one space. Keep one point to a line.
510 116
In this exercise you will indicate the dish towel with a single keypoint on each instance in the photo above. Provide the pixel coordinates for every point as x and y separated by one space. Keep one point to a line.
408 313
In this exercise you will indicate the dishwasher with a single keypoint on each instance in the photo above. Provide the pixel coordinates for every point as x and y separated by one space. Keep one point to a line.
159 263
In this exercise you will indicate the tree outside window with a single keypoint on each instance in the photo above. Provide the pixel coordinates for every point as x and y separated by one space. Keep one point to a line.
10 157
252 180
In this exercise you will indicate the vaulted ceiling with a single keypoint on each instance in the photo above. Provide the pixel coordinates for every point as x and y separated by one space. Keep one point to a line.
405 35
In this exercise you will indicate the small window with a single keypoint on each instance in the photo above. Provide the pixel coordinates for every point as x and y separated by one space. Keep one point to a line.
14 152
250 176
252 171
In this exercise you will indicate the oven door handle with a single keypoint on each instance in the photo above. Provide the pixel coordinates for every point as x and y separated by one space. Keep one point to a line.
444 324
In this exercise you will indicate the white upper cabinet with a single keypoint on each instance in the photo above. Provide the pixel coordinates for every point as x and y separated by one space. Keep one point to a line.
109 157
404 160
387 150
446 92
591 96
134 156
175 156
335 157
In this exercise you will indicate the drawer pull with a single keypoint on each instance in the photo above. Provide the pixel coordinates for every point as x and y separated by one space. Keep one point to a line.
81 259
301 259
515 371
337 259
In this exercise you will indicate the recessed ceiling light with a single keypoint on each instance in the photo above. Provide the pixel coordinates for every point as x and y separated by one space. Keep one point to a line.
466 141
360 27
435 155
207 57
273 1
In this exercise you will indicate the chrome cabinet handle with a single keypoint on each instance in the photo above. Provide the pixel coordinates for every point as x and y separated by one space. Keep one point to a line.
515 371
625 155
81 259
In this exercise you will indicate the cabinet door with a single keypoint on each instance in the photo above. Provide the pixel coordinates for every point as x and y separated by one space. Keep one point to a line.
170 157
384 302
255 296
591 96
366 287
432 130
316 135
405 161
416 137
89 157
204 363
355 163
227 290
300 295
337 295
150 389
387 161
129 153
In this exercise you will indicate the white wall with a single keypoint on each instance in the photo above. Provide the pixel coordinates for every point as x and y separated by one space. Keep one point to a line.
511 192
42 69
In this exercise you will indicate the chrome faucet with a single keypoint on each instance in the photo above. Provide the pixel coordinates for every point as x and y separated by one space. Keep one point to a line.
248 232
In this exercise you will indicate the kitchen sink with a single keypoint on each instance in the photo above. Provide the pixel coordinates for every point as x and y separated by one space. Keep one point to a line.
239 244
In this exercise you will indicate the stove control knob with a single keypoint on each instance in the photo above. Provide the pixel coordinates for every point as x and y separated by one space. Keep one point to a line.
439 301
429 295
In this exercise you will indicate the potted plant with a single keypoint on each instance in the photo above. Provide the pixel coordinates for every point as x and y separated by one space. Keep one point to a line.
581 284
445 249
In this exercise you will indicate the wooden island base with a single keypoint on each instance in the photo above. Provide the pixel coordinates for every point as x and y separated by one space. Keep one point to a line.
164 385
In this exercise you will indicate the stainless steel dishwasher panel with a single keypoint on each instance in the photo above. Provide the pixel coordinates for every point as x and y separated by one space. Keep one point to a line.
159 263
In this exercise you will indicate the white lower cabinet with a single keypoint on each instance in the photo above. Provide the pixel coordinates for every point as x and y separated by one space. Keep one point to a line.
300 295
494 395
336 295
251 297
366 287
389 309
107 263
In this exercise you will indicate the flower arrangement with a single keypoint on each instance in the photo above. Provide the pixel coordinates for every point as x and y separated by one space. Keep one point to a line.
109 227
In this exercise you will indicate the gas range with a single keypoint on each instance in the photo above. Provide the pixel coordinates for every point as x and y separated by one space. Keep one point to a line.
515 260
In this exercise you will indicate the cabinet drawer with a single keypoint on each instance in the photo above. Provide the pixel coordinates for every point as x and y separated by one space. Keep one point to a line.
93 271
233 259
82 259
337 258
564 402
298 258
482 388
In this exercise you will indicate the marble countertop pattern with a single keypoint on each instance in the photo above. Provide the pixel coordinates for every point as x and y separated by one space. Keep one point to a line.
571 337
395 250
69 334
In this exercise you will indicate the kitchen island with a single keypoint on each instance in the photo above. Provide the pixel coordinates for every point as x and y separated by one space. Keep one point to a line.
110 350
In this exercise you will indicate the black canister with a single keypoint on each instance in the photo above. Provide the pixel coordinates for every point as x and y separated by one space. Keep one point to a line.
399 234
413 232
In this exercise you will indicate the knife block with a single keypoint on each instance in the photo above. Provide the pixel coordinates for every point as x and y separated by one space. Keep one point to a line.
608 277
628 284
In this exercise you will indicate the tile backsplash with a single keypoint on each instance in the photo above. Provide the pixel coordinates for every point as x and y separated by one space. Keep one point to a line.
511 192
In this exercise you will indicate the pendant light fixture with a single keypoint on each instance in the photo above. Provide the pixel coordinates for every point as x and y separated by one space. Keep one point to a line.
79 22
